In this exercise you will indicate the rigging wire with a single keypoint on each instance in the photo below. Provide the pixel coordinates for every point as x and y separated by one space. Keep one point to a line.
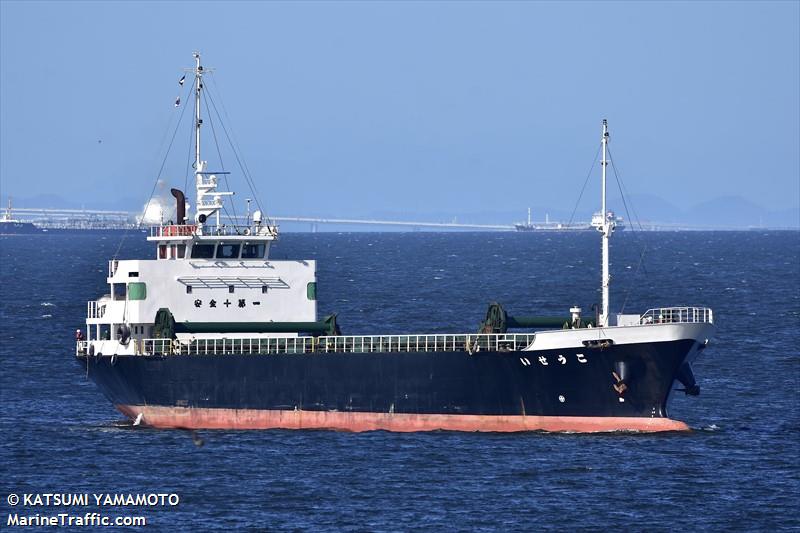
623 191
232 137
190 157
640 265
222 163
585 182
242 164
153 190
577 203
240 160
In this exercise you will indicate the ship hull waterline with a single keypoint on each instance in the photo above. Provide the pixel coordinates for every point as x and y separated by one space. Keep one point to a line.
250 419
567 390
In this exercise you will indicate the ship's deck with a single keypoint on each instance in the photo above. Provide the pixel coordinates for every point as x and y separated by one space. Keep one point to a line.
334 344
471 343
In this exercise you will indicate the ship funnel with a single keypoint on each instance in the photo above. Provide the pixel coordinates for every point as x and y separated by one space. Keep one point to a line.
180 212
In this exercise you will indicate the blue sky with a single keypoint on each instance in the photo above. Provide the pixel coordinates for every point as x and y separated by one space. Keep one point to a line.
353 109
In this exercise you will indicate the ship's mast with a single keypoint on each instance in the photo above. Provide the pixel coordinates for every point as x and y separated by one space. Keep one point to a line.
198 86
209 199
606 229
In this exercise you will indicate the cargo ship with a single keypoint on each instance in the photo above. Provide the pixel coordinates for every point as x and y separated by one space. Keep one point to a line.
547 225
211 332
11 226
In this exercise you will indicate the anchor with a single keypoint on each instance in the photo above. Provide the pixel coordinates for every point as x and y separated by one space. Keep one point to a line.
620 374
686 377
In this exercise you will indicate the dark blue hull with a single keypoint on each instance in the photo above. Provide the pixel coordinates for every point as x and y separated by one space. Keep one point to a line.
18 228
580 383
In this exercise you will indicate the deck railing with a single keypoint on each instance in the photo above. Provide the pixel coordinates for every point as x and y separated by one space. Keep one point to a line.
188 230
95 311
173 230
341 344
678 315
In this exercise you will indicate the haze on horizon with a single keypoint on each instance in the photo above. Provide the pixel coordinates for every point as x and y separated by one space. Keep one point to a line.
352 109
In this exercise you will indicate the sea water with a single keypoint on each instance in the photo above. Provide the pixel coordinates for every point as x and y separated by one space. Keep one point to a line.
738 469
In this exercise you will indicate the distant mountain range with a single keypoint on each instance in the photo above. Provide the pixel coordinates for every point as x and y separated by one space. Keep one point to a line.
733 211
721 212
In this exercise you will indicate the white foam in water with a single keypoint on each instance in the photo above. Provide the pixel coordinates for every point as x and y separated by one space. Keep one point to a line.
48 304
709 428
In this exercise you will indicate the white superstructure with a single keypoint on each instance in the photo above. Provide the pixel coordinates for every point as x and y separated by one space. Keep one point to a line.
202 272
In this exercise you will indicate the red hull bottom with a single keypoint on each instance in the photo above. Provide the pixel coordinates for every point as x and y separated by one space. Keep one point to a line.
199 418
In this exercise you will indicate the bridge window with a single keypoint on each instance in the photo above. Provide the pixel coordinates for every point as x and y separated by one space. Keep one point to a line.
162 251
253 250
181 251
118 291
202 251
137 291
228 251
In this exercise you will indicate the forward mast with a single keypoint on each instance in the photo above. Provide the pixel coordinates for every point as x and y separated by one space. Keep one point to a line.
605 225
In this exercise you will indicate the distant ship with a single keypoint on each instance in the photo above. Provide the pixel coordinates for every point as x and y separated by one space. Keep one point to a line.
11 226
619 224
208 331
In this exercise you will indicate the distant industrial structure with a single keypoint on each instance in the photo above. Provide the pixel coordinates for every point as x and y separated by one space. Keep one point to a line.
86 219
92 219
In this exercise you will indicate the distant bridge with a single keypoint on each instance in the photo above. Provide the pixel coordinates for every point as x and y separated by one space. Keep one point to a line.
75 218
91 218
105 219
356 221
